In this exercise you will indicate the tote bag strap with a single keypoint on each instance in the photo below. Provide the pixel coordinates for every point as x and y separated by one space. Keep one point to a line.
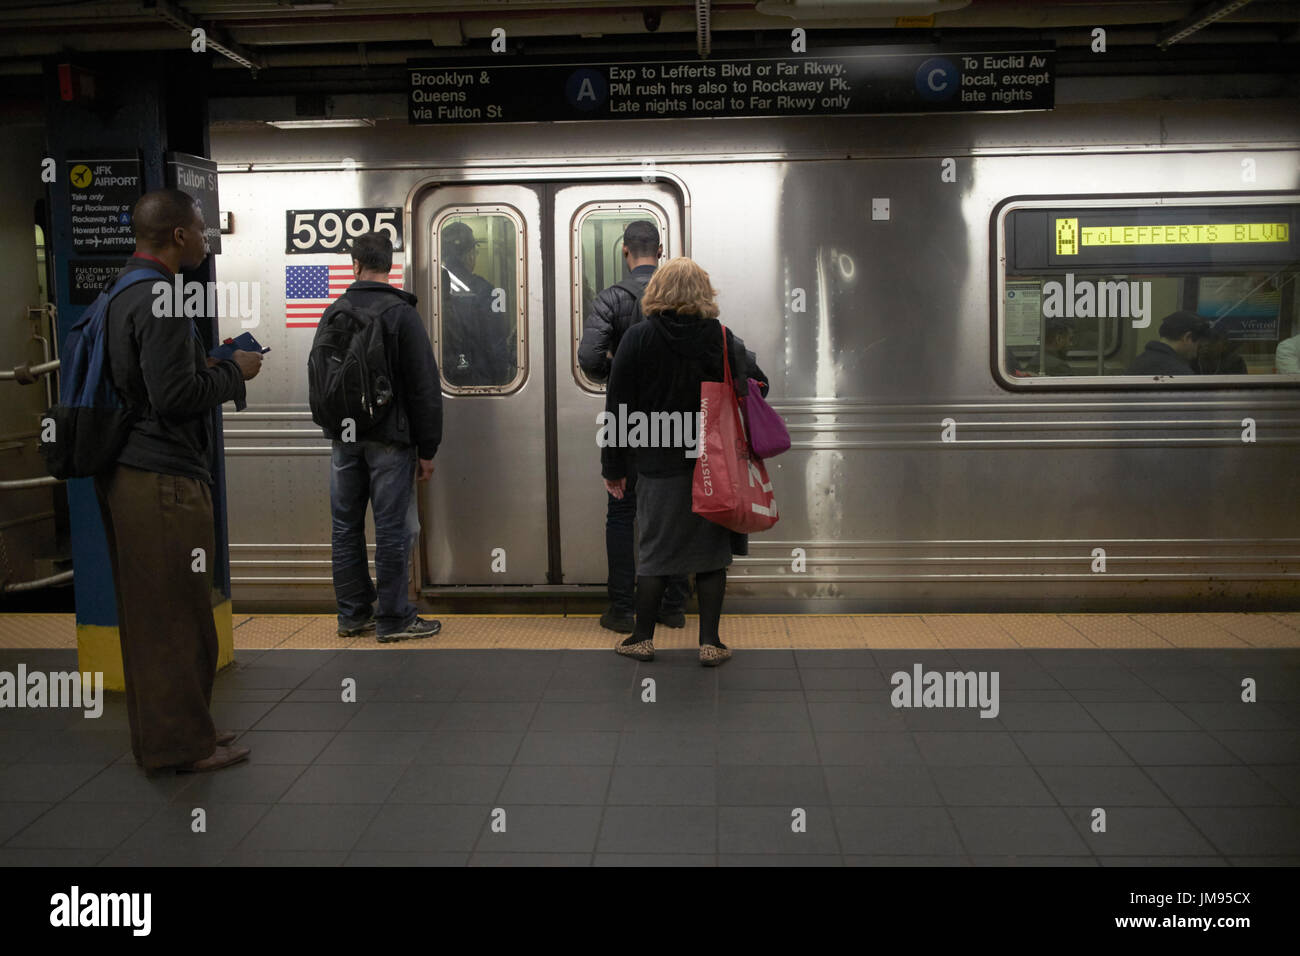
726 361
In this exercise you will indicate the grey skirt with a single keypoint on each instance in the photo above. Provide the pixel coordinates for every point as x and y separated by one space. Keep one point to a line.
673 538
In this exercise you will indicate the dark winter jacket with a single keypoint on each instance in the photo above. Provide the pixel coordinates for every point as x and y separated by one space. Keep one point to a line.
612 313
416 415
658 368
1158 359
159 366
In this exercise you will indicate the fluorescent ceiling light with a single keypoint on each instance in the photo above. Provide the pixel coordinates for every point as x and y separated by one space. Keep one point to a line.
319 123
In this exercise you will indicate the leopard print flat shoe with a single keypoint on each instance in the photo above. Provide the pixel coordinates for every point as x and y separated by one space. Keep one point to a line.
641 651
711 655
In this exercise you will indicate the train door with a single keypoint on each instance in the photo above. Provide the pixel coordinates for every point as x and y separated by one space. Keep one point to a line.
507 272
483 516
588 228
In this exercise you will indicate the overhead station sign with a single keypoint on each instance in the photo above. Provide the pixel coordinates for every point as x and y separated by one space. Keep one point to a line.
836 82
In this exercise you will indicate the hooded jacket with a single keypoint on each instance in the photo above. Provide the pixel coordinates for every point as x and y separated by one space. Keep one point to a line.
416 416
658 368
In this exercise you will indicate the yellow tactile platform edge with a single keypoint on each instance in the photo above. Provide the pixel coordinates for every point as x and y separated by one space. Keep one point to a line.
813 631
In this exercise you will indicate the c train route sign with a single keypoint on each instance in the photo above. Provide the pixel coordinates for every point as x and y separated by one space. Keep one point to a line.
833 82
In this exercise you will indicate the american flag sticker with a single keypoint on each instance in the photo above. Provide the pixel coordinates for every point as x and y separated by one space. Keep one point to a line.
309 291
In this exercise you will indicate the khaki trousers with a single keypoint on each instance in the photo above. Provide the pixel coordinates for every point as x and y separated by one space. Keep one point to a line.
153 523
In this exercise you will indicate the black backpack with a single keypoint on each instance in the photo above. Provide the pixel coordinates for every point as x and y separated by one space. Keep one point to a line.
636 290
348 375
630 284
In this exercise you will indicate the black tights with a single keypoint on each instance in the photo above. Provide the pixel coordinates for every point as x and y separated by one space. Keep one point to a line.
710 586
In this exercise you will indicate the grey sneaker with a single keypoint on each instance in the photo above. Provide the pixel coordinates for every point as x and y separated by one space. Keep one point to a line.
356 630
416 629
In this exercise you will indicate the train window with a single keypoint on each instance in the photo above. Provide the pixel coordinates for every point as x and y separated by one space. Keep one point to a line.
1086 287
40 264
598 260
481 336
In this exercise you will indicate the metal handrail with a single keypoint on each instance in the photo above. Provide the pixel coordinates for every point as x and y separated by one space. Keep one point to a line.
27 374
40 482
38 583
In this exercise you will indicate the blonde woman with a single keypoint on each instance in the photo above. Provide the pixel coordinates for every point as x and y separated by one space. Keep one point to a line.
658 368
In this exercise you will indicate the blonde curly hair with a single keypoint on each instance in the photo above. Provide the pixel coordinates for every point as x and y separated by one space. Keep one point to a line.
681 286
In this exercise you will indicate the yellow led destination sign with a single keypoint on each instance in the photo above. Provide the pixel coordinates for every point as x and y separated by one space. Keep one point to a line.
1070 238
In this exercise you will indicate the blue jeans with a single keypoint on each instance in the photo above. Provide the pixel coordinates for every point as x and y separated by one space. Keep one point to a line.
383 476
620 549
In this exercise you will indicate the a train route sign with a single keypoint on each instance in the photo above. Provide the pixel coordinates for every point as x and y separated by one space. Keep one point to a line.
101 194
838 82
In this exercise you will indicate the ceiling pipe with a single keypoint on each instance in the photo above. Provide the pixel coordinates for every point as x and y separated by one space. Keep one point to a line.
1197 20
214 36
855 9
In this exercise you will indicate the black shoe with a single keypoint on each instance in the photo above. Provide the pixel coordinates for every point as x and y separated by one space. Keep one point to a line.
671 618
416 629
356 630
619 623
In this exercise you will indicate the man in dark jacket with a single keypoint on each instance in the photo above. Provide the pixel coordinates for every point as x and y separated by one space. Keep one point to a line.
614 311
155 502
1172 353
379 468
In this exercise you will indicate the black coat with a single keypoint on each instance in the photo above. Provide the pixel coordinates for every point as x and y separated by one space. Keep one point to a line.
658 368
159 365
1158 359
416 416
612 313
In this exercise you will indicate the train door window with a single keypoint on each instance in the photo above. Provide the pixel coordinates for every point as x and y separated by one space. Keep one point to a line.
598 262
481 337
1085 290
40 264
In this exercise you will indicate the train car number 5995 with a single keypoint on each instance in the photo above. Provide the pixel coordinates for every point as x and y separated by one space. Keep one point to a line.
325 230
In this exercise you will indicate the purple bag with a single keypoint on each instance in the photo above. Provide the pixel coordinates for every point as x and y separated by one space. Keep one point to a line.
768 436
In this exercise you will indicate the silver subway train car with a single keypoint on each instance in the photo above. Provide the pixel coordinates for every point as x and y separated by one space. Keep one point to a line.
946 307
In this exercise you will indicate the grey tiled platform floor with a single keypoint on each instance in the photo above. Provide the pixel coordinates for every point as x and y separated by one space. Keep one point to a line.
708 774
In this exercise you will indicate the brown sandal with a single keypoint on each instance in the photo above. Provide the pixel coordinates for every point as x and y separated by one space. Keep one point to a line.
221 757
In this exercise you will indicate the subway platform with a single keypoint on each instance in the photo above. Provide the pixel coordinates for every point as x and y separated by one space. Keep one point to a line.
1114 740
